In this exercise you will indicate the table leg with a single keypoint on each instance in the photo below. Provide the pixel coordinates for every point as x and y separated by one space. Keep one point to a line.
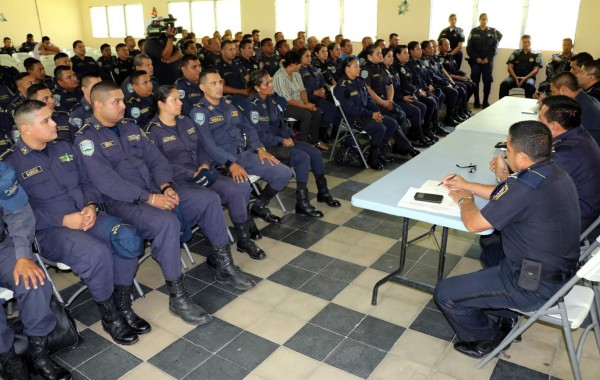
442 260
402 261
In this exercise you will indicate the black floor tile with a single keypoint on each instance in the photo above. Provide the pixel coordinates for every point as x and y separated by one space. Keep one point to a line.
363 222
277 231
389 228
92 344
388 263
212 299
319 227
345 172
296 221
474 252
201 272
68 292
323 287
214 335
192 284
248 350
432 322
377 333
314 341
507 370
414 252
291 276
110 364
432 258
347 189
86 312
217 368
422 274
302 239
337 319
311 261
179 358
355 357
342 270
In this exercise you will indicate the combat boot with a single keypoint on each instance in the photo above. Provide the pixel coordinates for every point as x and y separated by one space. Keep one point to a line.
114 324
245 244
40 362
180 304
122 299
226 272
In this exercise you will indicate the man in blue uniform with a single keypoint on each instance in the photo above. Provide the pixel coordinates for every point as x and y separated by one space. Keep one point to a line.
247 58
578 60
456 37
83 64
589 78
234 74
231 142
67 92
28 45
97 246
267 59
140 107
528 208
81 112
188 85
558 63
105 62
23 81
137 183
122 65
144 63
34 67
20 273
523 66
61 119
213 55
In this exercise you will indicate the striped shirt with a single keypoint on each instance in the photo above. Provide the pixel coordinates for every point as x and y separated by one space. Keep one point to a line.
288 88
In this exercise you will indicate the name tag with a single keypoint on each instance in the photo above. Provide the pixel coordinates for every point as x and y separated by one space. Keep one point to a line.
108 144
216 119
354 93
31 172
168 138
135 137
65 158
234 114
191 131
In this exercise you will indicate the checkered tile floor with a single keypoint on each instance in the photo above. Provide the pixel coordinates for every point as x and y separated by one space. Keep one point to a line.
310 316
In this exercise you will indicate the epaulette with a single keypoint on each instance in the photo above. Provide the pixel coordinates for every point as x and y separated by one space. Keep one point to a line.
255 101
150 125
6 153
532 177
562 144
343 83
198 105
58 111
132 99
127 121
180 117
81 130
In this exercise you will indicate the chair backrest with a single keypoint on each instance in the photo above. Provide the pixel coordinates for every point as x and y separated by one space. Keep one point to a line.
591 270
7 60
21 56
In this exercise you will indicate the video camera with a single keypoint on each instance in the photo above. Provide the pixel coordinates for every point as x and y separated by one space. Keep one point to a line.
160 25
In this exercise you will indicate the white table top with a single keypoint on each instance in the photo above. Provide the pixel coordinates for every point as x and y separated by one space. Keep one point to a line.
461 147
498 118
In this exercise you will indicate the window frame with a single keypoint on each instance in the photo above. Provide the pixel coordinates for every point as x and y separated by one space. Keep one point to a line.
126 27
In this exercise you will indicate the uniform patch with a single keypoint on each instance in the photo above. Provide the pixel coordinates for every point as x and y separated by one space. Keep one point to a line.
86 147
31 172
129 87
500 192
181 94
199 118
191 131
215 119
364 74
56 100
254 117
538 59
24 150
108 144
234 114
135 112
77 121
135 137
354 93
66 158
168 139
403 70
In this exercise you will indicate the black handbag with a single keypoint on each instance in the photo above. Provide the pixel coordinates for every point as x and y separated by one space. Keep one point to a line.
64 336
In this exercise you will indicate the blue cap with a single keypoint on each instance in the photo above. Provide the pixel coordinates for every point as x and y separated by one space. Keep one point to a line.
12 196
206 177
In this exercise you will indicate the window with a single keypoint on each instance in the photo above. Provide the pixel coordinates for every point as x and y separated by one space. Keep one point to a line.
543 37
506 17
321 18
181 11
441 11
228 15
203 18
117 21
206 16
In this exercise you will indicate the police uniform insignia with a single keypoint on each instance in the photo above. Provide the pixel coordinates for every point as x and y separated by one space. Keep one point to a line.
538 59
264 106
56 100
168 139
254 117
199 118
530 59
65 158
86 147
364 74
77 121
116 70
441 60
215 119
191 131
210 108
129 87
108 144
24 150
261 65
135 112
332 69
135 137
31 172
403 70
181 94
426 63
500 192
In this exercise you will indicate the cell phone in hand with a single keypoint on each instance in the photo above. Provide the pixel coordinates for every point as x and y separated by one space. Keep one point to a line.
431 198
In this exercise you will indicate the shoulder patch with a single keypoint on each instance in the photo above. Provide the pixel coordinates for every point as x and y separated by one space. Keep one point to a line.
500 192
364 74
254 117
135 112
181 94
199 118
86 147
76 121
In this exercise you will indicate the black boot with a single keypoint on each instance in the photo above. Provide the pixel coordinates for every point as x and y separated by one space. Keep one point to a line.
324 135
323 195
226 272
260 209
385 160
114 324
476 103
245 244
40 362
373 159
180 304
303 207
254 231
122 299
13 366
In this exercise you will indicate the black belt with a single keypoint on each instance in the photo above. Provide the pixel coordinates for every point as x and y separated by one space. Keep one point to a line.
556 277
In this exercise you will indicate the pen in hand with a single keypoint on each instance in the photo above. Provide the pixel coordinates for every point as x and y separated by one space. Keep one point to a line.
447 179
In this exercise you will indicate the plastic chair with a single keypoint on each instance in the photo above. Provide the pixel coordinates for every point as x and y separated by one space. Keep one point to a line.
517 91
345 129
253 179
21 56
48 63
7 296
575 302
7 60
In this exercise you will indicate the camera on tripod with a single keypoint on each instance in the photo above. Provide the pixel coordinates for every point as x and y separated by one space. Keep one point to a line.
160 25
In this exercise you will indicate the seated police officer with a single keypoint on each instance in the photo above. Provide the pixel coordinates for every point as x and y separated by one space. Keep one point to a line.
122 65
61 119
98 247
137 183
234 74
247 58
67 92
176 137
267 59
105 62
62 59
140 62
140 107
589 78
188 85
23 81
231 142
523 66
81 112
213 54
528 209
20 273
83 64
34 67
558 63
28 45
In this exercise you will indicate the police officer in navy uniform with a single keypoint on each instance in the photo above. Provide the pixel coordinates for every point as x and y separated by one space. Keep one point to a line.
589 78
188 85
319 62
528 208
482 46
23 81
106 62
70 229
176 137
247 58
28 45
20 273
81 112
267 60
234 74
361 111
67 92
266 115
122 65
137 184
523 66
140 106
36 69
81 63
140 62
334 62
61 118
460 77
456 36
558 63
213 55
231 142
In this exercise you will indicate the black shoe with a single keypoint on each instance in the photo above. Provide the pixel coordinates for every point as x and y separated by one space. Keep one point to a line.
412 152
13 366
122 300
114 324
254 231
506 326
260 210
450 122
40 362
486 104
181 305
245 244
440 131
227 272
373 159
421 143
323 194
479 348
431 136
303 207
477 104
